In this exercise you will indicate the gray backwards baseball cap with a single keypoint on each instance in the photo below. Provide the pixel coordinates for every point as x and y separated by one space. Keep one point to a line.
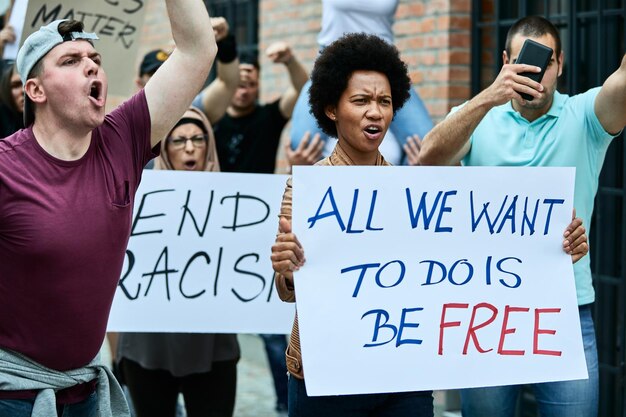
36 46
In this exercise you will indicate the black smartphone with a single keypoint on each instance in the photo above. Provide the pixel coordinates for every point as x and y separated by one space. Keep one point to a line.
534 53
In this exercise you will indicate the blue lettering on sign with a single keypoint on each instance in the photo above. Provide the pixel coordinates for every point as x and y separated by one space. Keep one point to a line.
459 273
438 272
526 221
428 213
400 277
368 226
507 213
518 279
333 211
379 324
551 202
363 268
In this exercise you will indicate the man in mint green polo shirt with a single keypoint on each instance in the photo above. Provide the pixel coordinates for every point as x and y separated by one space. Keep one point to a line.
499 128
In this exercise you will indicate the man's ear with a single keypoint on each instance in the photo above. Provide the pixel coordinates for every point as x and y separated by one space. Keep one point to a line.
331 113
505 57
561 62
34 91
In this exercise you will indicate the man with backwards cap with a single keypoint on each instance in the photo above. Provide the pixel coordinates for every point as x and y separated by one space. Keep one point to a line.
67 185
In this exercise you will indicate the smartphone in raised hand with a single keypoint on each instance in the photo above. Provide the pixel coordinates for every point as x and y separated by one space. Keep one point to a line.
534 53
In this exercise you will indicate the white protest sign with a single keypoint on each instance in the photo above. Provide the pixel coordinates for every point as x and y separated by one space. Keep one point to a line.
198 259
116 22
18 14
420 278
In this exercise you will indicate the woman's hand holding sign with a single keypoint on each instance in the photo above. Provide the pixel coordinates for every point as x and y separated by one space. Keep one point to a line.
287 253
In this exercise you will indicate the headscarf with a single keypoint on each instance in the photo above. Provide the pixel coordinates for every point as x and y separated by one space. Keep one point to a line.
193 115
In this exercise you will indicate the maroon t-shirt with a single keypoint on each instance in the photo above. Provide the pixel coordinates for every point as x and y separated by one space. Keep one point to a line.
64 227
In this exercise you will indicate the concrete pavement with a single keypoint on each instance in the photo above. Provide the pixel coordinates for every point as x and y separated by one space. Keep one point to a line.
255 389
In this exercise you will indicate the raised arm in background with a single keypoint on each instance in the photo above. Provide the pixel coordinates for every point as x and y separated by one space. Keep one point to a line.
448 142
280 52
610 105
172 88
217 96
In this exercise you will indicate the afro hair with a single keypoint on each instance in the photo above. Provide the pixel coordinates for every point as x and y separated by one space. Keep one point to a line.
339 60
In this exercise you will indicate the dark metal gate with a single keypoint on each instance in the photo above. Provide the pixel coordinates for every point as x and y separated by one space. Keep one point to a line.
243 21
243 18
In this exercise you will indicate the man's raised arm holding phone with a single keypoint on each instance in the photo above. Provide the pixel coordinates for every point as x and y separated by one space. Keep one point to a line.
499 127
530 96
449 141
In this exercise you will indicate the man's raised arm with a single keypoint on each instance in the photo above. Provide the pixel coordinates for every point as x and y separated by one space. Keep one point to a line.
217 96
172 88
448 142
610 105
281 52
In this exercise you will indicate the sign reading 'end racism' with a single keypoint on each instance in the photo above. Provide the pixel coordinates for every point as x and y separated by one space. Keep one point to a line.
198 257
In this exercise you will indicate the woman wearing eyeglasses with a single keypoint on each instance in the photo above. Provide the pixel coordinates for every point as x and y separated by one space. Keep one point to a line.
203 367
190 145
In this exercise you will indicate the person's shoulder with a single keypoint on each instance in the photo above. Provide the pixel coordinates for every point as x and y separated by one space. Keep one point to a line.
591 92
270 112
586 95
581 101
136 103
130 117
259 109
274 104
9 144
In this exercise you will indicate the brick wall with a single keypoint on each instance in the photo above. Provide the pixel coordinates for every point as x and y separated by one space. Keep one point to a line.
296 22
434 39
432 35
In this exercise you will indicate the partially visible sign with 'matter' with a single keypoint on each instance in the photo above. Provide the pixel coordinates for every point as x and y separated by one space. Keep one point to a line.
116 22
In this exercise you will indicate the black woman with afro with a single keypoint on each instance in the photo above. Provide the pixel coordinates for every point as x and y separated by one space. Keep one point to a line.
358 84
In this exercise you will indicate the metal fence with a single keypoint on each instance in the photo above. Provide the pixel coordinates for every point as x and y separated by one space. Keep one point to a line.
243 18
